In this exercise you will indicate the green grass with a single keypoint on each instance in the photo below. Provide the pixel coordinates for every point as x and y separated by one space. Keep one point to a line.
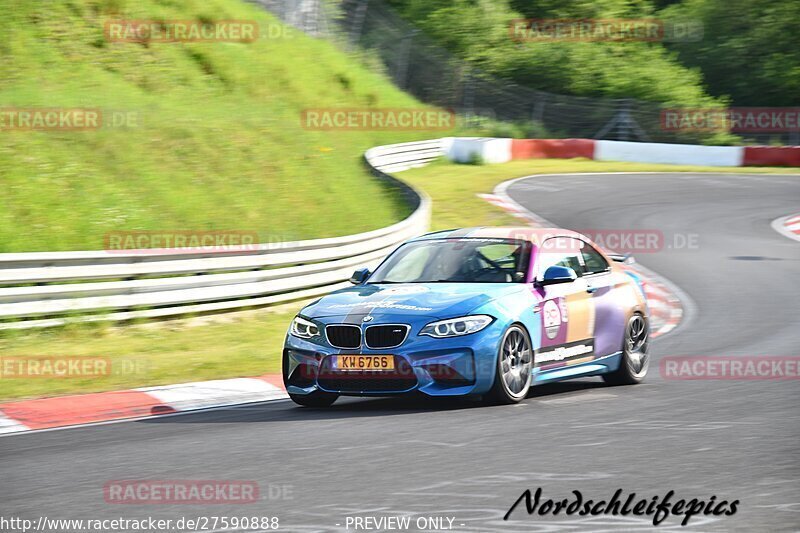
143 355
251 346
219 143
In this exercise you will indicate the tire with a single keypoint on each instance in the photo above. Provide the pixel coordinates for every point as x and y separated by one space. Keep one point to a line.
315 399
514 367
635 358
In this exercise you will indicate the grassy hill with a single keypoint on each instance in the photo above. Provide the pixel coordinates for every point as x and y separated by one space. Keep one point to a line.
218 143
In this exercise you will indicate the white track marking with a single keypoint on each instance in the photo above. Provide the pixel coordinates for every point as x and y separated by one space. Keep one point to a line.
215 393
9 425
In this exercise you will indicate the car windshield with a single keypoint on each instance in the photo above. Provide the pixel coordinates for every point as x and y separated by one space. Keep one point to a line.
467 260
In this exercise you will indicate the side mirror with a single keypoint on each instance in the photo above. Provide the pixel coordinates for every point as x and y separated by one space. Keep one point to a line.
625 259
558 274
359 276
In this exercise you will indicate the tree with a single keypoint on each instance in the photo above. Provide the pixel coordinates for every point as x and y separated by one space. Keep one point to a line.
749 49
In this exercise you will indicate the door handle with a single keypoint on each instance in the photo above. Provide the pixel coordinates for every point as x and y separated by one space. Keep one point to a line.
591 289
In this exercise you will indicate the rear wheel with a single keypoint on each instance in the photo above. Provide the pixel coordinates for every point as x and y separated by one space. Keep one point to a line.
315 399
514 367
635 359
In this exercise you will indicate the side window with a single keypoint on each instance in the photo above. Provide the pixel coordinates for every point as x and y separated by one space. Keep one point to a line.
512 258
594 263
560 251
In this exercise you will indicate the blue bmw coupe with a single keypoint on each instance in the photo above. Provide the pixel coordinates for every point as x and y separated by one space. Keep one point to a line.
483 312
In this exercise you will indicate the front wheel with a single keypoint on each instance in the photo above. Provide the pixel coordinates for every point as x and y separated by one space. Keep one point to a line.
315 399
514 367
635 359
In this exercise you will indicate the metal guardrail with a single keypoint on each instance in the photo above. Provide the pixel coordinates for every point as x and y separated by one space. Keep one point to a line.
45 289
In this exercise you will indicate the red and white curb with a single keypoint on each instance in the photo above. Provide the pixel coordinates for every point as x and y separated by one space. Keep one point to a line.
666 311
510 207
666 308
48 413
9 425
501 150
788 226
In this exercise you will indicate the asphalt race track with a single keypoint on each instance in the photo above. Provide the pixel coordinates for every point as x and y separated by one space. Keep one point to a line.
733 439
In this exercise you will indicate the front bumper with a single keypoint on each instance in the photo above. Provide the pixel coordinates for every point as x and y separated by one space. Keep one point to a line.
455 366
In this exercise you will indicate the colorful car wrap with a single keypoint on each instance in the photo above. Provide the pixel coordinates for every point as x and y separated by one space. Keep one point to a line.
576 329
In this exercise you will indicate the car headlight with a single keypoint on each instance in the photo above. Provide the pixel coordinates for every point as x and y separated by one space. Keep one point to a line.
305 329
454 327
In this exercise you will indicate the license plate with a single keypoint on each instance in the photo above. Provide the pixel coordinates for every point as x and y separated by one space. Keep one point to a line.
363 362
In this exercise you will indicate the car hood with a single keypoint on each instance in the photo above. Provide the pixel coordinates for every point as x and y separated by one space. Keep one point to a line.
435 300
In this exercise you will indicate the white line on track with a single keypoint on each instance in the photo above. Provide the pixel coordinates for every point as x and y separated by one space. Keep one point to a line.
580 397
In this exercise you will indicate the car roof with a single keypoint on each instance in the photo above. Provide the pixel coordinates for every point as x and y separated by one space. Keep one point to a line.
523 233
